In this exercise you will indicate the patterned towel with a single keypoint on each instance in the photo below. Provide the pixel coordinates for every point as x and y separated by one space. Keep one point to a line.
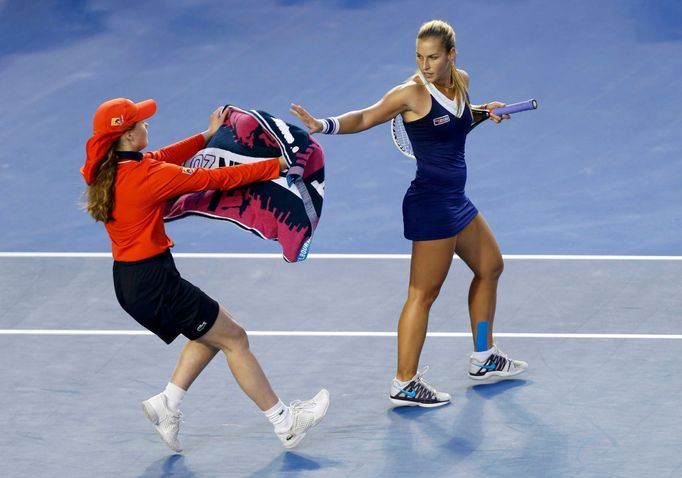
286 209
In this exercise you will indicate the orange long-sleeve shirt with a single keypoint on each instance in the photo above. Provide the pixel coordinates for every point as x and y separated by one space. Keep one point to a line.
142 188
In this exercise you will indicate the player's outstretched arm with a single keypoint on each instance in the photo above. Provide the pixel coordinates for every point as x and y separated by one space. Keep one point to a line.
393 103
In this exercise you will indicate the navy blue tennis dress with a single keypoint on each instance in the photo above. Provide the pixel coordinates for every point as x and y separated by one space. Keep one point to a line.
435 206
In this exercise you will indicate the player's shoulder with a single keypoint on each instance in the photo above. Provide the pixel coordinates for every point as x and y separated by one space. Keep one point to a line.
151 163
410 93
412 85
149 155
414 81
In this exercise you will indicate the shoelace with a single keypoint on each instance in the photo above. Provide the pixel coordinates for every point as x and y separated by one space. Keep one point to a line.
498 353
501 354
173 418
302 404
419 378
301 421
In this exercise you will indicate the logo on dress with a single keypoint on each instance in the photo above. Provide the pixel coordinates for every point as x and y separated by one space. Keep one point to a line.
187 170
201 326
441 120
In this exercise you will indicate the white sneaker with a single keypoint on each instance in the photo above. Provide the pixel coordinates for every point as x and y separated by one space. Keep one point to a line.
417 393
166 422
496 367
305 415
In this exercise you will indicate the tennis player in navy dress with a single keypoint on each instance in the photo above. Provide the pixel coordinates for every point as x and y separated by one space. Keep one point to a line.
438 217
435 206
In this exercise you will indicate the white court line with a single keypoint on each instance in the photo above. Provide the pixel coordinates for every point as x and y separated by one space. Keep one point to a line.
218 255
321 333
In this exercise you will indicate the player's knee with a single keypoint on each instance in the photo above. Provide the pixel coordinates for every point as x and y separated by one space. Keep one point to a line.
493 270
229 335
238 339
498 268
425 296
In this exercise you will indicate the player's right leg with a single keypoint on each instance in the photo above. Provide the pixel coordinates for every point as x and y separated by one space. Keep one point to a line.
428 269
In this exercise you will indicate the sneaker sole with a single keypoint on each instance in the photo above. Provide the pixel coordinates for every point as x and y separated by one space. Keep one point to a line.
151 415
408 403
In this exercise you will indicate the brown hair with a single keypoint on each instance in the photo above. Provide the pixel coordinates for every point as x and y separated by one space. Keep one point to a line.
100 194
446 34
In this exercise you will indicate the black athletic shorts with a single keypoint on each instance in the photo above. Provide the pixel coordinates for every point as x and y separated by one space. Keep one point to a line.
154 294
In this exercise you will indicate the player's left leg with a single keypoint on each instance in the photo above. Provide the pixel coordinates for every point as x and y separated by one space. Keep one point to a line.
478 248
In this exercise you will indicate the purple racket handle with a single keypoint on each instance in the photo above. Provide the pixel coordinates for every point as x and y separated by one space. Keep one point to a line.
516 107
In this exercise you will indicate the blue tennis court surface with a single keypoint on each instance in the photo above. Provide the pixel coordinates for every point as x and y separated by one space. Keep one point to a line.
596 170
590 405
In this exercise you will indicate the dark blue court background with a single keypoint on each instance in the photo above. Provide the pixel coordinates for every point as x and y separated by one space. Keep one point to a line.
596 170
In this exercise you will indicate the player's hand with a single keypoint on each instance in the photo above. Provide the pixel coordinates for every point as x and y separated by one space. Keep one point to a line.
496 104
215 121
314 125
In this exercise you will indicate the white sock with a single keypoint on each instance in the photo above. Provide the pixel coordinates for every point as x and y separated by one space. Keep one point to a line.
483 356
174 395
401 383
280 417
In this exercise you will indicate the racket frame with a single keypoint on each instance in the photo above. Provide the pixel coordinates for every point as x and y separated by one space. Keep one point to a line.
479 115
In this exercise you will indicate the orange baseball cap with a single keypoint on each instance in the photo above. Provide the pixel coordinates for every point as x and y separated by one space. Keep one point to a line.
111 120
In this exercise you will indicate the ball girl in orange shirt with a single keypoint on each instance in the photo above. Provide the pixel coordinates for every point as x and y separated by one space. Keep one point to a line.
127 191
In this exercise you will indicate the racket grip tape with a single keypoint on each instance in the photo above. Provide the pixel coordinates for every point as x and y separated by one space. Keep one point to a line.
516 107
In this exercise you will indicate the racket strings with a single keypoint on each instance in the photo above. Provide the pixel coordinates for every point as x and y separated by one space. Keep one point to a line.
400 136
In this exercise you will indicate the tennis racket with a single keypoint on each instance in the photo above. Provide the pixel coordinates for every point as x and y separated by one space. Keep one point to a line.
402 141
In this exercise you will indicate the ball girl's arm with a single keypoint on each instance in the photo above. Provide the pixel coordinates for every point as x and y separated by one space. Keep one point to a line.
181 151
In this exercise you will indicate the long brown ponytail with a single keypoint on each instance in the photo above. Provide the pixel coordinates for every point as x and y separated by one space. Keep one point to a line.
446 34
100 194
